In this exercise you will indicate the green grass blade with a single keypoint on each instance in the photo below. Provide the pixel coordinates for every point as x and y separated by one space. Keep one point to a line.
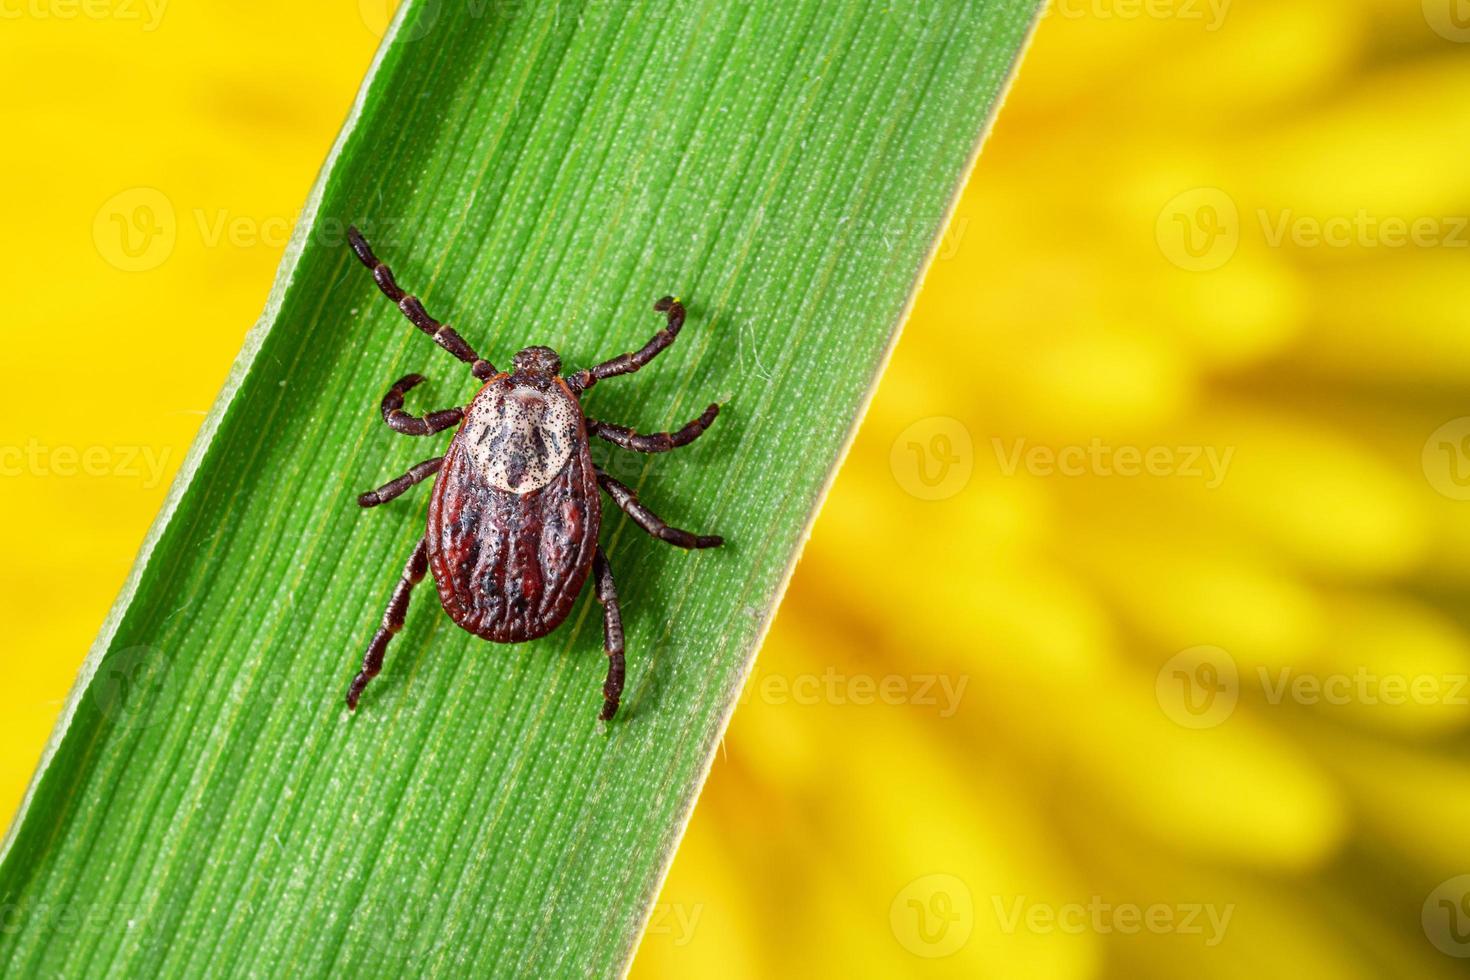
537 173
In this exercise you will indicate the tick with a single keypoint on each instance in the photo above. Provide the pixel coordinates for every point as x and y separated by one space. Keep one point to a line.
515 511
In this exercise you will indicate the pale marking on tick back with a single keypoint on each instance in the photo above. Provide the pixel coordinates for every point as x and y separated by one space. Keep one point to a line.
522 438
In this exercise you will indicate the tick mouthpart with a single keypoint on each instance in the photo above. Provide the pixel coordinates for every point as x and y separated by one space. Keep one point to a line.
542 361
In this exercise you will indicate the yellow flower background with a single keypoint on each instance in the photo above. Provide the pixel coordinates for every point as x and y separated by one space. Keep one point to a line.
1132 639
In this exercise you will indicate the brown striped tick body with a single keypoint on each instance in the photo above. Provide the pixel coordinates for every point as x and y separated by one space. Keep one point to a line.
515 511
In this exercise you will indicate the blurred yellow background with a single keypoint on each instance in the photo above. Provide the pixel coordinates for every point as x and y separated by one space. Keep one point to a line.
1132 640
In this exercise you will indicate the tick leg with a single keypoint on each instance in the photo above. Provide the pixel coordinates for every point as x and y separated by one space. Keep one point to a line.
443 334
394 488
625 498
653 442
411 425
628 363
612 635
372 661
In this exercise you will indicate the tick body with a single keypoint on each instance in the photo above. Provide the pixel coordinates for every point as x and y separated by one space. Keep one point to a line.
515 513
